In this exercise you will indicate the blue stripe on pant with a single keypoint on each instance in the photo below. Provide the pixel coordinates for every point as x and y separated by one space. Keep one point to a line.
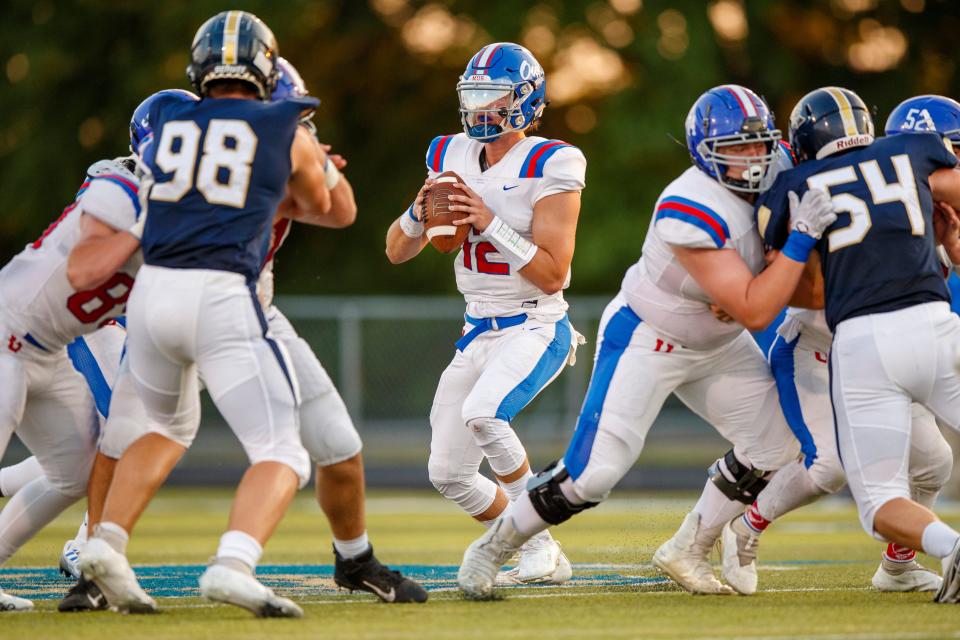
549 364
264 327
616 338
84 362
783 366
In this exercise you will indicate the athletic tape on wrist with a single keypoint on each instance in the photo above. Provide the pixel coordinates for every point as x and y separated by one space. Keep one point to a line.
410 226
798 246
331 173
517 250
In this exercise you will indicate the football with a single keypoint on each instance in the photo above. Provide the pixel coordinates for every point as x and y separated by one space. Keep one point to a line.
445 236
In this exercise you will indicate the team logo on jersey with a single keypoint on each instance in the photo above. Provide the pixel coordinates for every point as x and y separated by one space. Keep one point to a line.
14 345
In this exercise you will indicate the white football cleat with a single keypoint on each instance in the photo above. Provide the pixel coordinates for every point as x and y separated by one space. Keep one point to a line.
539 561
484 557
740 556
9 602
69 559
111 572
949 592
679 558
223 584
905 576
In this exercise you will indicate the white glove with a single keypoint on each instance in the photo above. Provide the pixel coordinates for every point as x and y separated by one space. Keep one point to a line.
812 214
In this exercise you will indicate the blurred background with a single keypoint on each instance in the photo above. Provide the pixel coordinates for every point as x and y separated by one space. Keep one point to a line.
621 75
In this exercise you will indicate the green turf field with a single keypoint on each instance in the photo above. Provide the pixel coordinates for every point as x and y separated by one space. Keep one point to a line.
815 579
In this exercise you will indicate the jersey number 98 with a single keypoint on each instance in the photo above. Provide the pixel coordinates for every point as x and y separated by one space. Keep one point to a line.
178 153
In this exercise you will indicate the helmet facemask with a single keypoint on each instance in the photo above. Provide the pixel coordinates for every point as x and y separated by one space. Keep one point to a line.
755 166
490 108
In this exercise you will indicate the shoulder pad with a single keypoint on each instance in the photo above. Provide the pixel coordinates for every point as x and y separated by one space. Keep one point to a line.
437 151
697 219
115 166
538 155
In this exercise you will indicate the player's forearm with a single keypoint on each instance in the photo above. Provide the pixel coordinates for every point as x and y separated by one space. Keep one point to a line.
400 246
91 262
343 206
546 272
768 293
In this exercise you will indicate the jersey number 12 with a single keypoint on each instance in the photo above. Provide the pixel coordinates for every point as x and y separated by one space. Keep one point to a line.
179 150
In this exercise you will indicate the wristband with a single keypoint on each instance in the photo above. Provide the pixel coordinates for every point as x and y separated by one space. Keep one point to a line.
331 173
798 246
410 226
517 250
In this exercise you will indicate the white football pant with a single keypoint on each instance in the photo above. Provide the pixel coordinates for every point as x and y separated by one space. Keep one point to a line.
634 372
185 322
880 364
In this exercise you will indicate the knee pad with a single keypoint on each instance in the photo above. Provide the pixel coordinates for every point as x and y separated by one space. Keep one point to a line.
548 498
474 494
746 483
827 474
326 430
499 443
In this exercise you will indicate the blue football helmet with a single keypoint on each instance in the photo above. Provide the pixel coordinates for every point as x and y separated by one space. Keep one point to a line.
234 45
140 121
291 85
732 115
503 89
827 121
927 113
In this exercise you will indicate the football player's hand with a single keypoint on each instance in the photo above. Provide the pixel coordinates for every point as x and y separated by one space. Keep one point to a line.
421 199
812 214
472 204
720 314
338 160
946 230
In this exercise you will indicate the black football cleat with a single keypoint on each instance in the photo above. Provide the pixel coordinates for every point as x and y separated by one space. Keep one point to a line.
365 573
83 596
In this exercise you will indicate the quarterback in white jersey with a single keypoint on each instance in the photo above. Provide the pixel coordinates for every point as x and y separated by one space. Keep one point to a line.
658 337
522 197
45 303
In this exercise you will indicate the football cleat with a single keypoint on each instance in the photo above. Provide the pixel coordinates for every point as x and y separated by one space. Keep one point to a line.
223 584
905 576
484 557
949 592
112 574
539 561
740 556
682 560
83 596
9 602
365 573
69 558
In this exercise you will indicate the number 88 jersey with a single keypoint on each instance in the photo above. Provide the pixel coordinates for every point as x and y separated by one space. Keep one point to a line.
532 169
37 304
218 168
879 255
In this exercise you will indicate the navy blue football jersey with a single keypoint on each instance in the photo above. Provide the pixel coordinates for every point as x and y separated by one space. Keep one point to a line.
220 168
879 255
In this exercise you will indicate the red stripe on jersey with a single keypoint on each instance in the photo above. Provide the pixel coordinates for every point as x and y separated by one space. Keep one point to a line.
697 213
532 167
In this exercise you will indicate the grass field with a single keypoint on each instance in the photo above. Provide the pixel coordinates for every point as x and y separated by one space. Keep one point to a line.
815 579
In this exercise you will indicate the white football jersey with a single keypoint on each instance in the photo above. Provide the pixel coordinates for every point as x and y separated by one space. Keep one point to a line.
37 302
281 229
693 211
532 169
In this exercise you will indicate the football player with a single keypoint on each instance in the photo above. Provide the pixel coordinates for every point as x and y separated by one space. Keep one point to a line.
659 336
326 430
217 170
887 305
522 200
798 358
45 305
